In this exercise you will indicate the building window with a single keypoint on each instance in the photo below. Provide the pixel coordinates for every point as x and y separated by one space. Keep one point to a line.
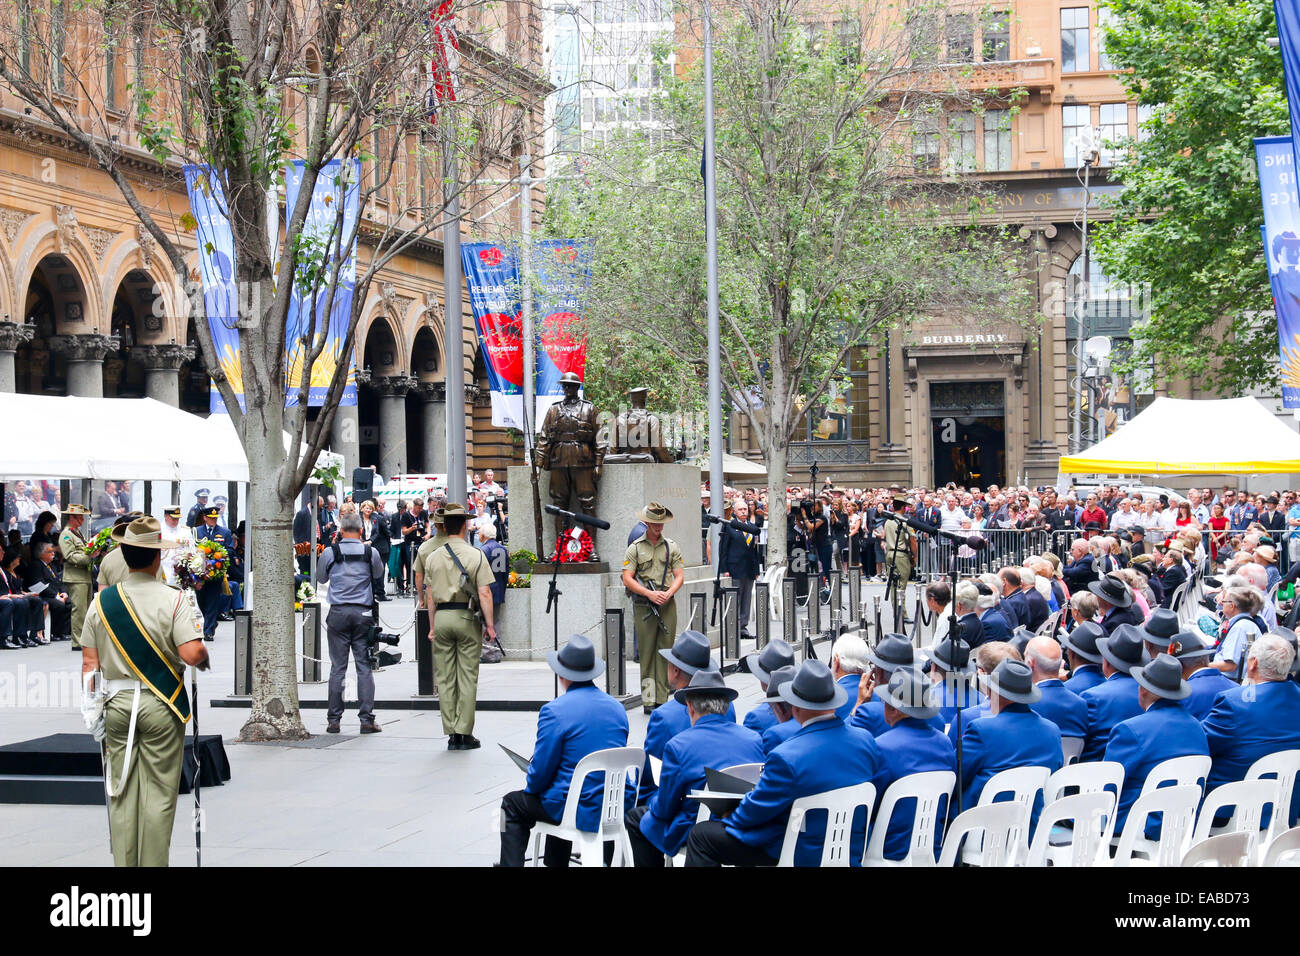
996 47
1075 123
961 150
997 140
959 38
1074 40
1144 118
25 34
925 142
923 36
58 43
1112 132
1104 20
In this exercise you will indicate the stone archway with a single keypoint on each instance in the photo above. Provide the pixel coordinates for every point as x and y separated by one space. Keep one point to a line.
426 406
385 400
65 354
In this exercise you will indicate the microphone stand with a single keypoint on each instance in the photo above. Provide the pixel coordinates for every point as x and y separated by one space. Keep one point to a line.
553 602
953 637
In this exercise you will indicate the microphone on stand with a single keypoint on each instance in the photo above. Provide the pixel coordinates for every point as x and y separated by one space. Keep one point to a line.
577 516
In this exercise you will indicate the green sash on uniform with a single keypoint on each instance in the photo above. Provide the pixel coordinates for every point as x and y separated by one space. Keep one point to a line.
141 654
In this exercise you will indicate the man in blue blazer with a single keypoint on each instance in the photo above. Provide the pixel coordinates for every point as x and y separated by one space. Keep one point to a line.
1011 736
1258 718
579 722
953 672
1163 730
787 726
893 651
662 825
987 658
848 662
1058 704
1083 657
1159 632
1115 699
911 745
1204 681
774 656
689 653
992 621
966 600
824 755
1036 608
1013 604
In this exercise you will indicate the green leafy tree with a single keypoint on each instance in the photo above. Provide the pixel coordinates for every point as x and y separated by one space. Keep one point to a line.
835 219
1187 223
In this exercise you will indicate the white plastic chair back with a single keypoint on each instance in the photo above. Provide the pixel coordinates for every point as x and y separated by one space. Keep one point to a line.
840 806
1284 849
1248 798
1002 829
1284 765
1071 747
774 576
1177 806
616 764
1090 777
929 790
1024 784
1228 849
1179 771
1093 815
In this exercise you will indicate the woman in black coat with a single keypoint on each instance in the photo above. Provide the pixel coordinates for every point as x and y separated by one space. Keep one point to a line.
23 619
379 534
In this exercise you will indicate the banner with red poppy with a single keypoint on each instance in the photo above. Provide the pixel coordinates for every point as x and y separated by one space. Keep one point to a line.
563 274
492 278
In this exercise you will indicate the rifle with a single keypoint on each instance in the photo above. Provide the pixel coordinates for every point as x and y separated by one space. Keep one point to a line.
654 608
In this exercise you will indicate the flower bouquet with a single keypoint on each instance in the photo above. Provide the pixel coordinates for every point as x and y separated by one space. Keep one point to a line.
304 594
99 546
201 562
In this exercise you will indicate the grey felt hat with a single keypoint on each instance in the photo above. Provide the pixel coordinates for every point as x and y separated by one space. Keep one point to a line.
814 688
1163 677
1083 641
576 660
1123 649
707 680
1014 681
775 655
911 692
689 653
893 651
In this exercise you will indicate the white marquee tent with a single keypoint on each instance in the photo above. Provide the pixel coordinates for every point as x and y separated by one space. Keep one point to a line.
1175 436
110 438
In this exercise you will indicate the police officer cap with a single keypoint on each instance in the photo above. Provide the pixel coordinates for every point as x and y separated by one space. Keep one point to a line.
201 493
172 511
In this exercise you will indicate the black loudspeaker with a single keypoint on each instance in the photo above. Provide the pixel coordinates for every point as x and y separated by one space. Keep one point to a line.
363 484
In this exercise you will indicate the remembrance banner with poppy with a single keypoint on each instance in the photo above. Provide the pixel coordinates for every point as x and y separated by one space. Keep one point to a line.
216 248
1281 233
563 274
492 277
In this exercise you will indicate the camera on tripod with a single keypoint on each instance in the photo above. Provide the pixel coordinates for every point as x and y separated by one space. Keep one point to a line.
377 657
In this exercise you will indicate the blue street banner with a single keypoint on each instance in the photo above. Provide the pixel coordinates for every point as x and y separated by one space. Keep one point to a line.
216 248
1288 35
1277 186
563 275
492 278
337 184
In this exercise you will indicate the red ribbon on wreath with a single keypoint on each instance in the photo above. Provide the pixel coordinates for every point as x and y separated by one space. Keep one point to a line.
569 549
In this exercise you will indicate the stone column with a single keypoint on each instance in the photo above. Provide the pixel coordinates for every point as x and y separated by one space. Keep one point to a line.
392 391
85 356
12 335
434 395
1041 453
345 437
162 364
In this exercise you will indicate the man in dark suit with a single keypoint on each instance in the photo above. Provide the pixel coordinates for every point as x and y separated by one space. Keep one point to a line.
738 557
582 720
1204 682
1172 574
53 596
1273 519
1258 718
1011 736
1013 604
302 534
969 628
211 593
1035 604
1116 603
824 755
1059 704
662 824
1116 699
992 620
1162 731
195 517
1078 571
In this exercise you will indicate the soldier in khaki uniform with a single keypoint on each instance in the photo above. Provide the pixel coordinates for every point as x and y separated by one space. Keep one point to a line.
112 567
653 574
77 577
900 556
454 626
427 548
139 635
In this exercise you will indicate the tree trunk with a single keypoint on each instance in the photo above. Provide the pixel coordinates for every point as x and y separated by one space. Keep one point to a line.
777 454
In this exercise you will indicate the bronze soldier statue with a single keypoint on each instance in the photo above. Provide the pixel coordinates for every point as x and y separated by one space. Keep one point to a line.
571 447
637 436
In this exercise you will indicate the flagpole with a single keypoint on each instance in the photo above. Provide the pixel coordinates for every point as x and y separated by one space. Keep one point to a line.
711 248
526 298
453 333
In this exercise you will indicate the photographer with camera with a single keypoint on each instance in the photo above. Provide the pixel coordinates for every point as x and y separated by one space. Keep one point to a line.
355 574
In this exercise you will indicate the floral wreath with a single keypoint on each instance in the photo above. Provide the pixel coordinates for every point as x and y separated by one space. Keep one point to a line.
569 549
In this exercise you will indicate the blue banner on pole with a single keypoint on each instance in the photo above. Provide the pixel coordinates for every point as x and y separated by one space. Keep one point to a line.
1288 35
337 184
492 277
563 268
1277 185
216 248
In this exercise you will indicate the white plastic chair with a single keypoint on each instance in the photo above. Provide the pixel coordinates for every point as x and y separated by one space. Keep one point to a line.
747 771
1229 849
929 790
1177 805
1090 777
1071 747
1024 784
1248 798
774 576
840 806
1284 849
1284 765
1093 815
1002 829
1178 771
616 764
